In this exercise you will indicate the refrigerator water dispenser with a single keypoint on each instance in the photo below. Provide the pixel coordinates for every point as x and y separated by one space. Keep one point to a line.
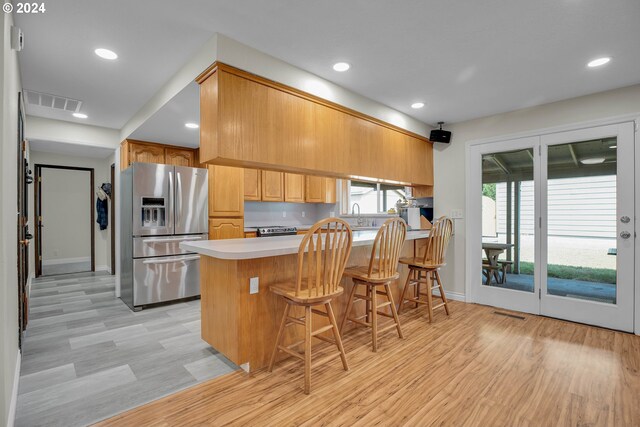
153 212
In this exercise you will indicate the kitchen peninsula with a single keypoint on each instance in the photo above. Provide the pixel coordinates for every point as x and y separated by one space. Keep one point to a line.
240 319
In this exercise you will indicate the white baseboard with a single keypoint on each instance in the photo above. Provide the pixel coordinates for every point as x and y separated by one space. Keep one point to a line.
65 261
102 268
14 393
456 296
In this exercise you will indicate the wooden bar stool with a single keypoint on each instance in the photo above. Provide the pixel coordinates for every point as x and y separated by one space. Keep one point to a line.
425 269
322 256
382 270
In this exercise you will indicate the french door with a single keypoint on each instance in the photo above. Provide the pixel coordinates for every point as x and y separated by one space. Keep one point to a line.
553 225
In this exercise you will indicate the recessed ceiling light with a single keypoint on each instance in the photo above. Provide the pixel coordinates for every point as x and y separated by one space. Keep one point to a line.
80 115
106 53
613 146
592 161
192 125
341 66
417 105
598 62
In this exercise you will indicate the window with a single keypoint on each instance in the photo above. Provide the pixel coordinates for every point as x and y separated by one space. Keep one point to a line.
374 198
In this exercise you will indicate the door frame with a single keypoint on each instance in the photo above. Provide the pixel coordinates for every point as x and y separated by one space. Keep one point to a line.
472 273
37 214
113 218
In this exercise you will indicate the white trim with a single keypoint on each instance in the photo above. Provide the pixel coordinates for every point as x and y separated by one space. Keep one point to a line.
14 393
102 268
456 296
635 117
29 281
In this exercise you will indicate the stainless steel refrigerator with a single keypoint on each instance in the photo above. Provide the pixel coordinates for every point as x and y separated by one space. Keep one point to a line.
160 207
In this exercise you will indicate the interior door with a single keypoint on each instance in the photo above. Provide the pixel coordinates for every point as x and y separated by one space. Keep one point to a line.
503 237
588 220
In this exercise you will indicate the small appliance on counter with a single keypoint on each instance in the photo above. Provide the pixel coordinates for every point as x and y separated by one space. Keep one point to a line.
276 230
161 206
412 210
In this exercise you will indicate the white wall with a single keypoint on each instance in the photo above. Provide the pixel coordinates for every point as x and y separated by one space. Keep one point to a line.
102 173
66 214
9 356
450 161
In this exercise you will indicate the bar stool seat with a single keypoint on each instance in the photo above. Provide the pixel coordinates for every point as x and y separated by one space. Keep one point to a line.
322 257
305 296
381 271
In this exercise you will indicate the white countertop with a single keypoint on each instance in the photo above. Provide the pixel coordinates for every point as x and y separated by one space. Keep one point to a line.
272 246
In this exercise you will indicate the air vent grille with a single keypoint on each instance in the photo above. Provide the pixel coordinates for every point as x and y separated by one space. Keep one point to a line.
52 101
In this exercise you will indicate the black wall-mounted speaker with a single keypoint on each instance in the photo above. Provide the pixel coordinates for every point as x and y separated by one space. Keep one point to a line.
439 135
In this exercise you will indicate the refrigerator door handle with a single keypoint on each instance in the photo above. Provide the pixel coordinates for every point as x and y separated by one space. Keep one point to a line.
170 260
178 197
171 208
171 239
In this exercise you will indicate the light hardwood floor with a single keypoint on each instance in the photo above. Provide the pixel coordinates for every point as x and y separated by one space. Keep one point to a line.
475 368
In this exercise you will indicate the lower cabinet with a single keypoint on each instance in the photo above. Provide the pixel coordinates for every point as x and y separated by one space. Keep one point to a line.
226 228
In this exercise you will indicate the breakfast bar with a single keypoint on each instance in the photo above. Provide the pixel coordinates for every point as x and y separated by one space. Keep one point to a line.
240 315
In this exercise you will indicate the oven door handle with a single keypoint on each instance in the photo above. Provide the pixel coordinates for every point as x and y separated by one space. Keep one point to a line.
170 260
171 239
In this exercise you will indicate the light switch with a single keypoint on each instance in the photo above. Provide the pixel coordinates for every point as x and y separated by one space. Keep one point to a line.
254 285
457 213
304 214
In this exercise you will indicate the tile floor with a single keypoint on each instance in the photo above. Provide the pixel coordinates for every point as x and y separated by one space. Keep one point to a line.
86 356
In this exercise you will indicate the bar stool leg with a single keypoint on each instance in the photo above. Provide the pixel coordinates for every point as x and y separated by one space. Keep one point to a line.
431 278
394 313
374 316
404 290
442 295
336 336
417 290
368 303
349 306
307 350
283 323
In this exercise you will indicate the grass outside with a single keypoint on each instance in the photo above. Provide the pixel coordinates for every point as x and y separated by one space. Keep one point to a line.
600 275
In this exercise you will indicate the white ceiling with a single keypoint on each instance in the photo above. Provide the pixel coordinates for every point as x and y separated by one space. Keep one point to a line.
464 59
166 126
73 150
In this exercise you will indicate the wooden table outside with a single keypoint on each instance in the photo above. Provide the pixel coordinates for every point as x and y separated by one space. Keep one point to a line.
493 251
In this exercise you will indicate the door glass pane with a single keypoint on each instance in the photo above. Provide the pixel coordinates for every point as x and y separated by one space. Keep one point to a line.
508 220
581 215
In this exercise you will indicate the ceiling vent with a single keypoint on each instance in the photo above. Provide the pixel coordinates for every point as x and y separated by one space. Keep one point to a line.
52 101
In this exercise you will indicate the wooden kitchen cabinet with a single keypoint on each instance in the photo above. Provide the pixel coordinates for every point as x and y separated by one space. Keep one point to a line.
250 234
294 188
272 186
330 190
226 191
144 153
226 228
180 157
253 184
316 189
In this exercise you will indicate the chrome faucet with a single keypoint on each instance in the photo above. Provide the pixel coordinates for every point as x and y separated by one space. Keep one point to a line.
353 208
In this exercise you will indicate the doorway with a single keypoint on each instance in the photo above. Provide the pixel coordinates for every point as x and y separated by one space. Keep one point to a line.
552 230
64 212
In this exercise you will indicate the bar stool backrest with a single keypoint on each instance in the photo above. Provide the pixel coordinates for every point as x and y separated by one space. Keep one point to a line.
438 241
387 247
322 257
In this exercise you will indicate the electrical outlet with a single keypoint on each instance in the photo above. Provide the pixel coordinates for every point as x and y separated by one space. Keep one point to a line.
254 285
304 214
284 214
332 214
457 214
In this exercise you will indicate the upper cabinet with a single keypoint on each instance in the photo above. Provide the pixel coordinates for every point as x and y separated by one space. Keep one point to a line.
293 188
252 184
132 151
226 189
320 189
272 186
250 121
180 157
